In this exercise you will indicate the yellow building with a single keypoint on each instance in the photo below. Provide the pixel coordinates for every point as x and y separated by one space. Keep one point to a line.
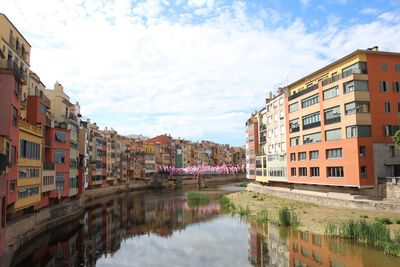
17 51
149 158
29 180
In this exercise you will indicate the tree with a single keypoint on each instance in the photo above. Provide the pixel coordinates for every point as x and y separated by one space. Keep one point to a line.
396 139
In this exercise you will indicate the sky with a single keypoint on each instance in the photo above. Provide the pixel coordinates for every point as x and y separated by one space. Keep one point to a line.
195 69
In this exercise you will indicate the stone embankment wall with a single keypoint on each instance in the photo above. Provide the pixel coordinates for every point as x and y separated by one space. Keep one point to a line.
389 188
334 200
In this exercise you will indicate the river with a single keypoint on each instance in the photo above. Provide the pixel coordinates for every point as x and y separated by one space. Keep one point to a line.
160 229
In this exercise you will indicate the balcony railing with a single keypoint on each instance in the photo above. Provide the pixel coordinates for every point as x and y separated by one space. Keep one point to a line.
303 92
13 66
294 129
49 166
311 125
30 127
345 74
332 120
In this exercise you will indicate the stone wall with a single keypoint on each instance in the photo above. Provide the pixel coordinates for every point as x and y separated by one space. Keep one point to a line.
326 199
389 188
23 230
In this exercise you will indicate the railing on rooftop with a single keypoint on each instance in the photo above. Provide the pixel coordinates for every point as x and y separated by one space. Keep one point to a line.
303 92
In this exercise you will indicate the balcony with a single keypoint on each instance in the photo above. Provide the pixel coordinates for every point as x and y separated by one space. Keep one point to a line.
13 66
32 128
73 117
49 166
263 127
303 92
311 125
345 74
294 129
332 120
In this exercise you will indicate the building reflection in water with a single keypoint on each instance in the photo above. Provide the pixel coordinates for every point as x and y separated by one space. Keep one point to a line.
271 245
105 225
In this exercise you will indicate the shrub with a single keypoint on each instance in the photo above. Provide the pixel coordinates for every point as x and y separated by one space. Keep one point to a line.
397 221
226 204
383 220
284 216
196 199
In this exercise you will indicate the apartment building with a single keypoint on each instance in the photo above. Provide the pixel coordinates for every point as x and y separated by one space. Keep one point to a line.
97 156
62 112
340 120
149 158
16 50
271 157
252 146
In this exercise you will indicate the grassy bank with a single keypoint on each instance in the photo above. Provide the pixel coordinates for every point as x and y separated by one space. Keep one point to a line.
312 217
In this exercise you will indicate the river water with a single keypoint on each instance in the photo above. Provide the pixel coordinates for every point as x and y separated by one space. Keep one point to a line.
160 229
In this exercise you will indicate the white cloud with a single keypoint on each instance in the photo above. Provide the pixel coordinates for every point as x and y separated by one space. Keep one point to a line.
304 3
369 11
145 68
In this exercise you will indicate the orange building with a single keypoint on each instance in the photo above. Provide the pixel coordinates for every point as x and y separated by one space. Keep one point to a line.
340 120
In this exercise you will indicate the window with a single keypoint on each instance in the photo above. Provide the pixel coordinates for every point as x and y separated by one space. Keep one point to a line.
311 121
398 107
335 172
59 156
7 151
61 137
334 153
294 141
293 171
396 87
331 93
12 185
294 126
356 107
314 171
355 86
314 155
302 171
48 180
362 151
312 138
387 107
59 182
282 114
335 134
29 150
384 67
292 156
302 156
359 67
281 101
332 115
276 131
392 151
42 108
15 116
16 88
28 192
384 86
390 130
13 155
397 67
363 171
294 107
310 101
276 116
358 131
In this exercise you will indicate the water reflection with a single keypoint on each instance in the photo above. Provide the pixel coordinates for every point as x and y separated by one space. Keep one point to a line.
153 229
270 245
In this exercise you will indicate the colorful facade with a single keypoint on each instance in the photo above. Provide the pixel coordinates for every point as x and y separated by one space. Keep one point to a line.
341 119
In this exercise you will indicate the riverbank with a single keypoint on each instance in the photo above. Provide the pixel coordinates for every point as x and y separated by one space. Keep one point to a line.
313 218
22 230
